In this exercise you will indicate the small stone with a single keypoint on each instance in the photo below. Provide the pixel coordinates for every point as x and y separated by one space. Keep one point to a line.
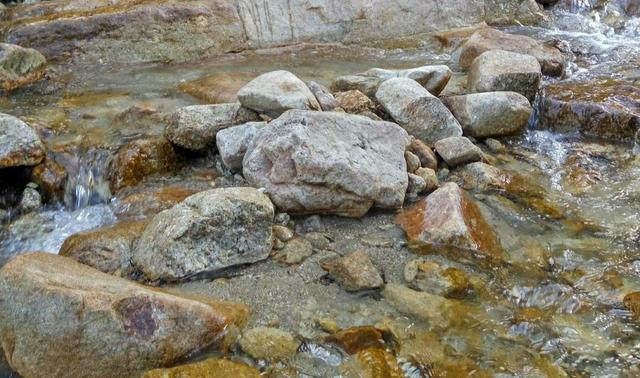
458 151
482 177
195 127
371 363
365 84
278 244
31 200
632 303
318 240
51 177
354 272
413 161
295 251
19 143
428 158
355 102
233 142
430 178
269 344
495 146
282 219
282 233
313 224
209 368
432 78
20 66
417 184
274 93
431 277
356 339
326 100
328 325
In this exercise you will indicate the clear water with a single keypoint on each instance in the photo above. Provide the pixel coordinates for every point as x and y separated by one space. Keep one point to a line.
580 323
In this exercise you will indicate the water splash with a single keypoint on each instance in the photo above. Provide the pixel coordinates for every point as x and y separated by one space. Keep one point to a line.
87 183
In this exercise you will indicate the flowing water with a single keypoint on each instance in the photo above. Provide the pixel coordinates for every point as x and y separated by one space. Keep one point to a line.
565 309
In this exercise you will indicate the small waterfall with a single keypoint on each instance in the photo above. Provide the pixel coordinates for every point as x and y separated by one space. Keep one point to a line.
87 183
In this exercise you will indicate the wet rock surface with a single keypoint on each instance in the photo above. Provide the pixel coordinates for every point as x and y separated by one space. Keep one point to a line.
49 300
337 171
209 368
354 271
19 143
608 109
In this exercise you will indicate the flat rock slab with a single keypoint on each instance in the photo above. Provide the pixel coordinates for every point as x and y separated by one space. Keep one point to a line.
59 318
273 93
490 114
606 109
195 127
498 70
207 232
19 143
419 112
447 220
329 163
551 60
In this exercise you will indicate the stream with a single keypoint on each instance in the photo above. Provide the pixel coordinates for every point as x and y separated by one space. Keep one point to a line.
565 311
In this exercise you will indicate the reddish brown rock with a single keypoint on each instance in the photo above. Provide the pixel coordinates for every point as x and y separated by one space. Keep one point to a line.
448 220
210 368
139 159
606 109
51 178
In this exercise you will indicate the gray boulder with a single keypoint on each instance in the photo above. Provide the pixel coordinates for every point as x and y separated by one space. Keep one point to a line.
273 93
19 143
490 114
458 151
207 232
195 127
498 70
433 78
329 163
20 66
233 143
59 318
415 109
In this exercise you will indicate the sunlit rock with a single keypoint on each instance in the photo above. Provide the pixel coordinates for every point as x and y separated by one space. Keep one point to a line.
19 143
61 318
498 70
329 163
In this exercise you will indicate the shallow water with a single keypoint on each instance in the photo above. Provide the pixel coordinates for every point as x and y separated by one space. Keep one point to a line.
558 302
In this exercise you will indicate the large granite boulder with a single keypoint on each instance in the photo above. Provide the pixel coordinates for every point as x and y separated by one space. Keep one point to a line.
195 127
490 114
19 143
329 163
273 93
59 318
499 70
432 78
448 220
605 109
207 232
20 66
551 60
419 112
107 249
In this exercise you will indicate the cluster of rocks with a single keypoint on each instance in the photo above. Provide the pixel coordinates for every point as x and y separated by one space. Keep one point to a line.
381 139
